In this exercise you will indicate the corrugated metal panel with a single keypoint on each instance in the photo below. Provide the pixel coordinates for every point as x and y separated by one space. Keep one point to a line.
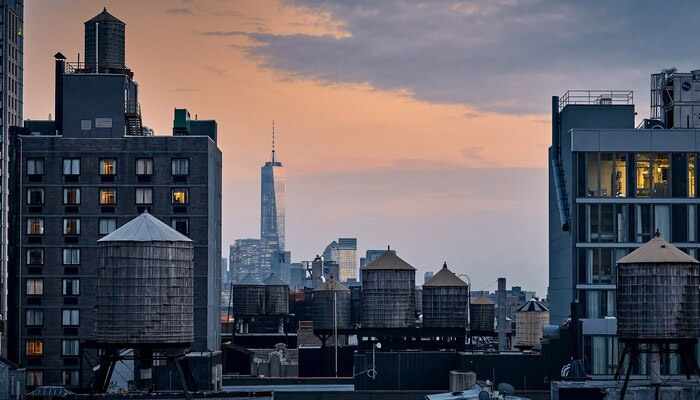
323 309
248 300
528 327
145 292
276 300
482 317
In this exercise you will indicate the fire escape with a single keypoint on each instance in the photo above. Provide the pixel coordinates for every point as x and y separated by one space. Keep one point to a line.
132 117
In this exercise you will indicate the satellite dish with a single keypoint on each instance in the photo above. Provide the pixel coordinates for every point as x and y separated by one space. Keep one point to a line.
506 389
378 345
484 395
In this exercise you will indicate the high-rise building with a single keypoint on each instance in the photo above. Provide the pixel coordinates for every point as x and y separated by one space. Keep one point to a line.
347 258
330 253
77 178
272 201
224 274
280 265
611 187
11 101
297 277
428 276
246 257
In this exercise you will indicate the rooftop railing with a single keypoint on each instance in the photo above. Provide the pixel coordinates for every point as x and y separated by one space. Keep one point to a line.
596 97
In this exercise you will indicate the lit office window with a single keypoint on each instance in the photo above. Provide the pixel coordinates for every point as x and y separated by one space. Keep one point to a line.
107 226
71 196
181 225
34 317
70 377
691 175
35 166
643 175
144 196
108 196
180 196
35 257
71 287
181 166
71 166
661 175
35 196
621 175
70 347
71 226
71 256
71 318
35 226
144 166
108 166
35 378
35 347
35 286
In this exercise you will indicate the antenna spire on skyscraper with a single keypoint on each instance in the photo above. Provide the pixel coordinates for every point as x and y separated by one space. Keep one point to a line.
273 141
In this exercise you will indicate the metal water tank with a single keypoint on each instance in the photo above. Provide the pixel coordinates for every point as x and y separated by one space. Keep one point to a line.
145 284
482 314
276 296
529 320
248 297
657 293
323 311
388 293
445 301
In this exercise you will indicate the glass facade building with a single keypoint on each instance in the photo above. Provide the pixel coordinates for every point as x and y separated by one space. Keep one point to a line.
272 204
611 188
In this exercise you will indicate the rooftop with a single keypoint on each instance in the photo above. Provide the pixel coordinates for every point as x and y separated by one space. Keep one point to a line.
657 251
596 97
389 260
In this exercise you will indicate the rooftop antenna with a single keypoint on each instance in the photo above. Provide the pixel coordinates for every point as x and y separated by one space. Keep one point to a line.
273 141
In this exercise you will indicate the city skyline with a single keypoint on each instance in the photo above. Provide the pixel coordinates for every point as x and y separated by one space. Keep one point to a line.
410 163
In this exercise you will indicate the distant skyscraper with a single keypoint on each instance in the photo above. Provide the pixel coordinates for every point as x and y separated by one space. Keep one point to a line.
347 258
372 255
331 252
247 258
272 201
280 265
428 276
224 273
11 89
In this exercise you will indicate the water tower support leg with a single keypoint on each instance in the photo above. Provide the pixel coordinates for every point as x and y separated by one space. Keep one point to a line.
621 363
630 366
183 381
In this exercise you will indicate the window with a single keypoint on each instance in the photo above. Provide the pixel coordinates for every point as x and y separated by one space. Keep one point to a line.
108 166
70 377
621 175
35 347
181 166
35 378
35 196
600 303
71 256
35 166
71 317
107 226
108 196
86 124
662 220
606 174
35 257
71 166
643 222
35 286
144 166
181 225
180 196
692 231
621 223
643 175
691 175
35 226
144 196
71 226
591 174
34 317
70 347
71 287
71 196
660 175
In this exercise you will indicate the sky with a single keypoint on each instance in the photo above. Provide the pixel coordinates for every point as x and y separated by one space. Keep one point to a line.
422 125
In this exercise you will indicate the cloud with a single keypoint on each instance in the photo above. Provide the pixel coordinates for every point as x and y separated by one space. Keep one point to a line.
179 11
503 56
224 33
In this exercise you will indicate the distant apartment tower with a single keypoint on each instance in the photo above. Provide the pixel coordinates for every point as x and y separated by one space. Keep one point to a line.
428 276
281 264
76 179
344 253
11 101
371 255
611 187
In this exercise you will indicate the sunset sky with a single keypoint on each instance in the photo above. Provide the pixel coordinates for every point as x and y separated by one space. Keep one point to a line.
420 125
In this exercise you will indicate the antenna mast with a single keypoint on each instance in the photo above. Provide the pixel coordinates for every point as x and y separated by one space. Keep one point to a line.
273 141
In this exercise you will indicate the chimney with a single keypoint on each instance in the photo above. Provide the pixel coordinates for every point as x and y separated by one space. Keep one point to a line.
58 100
502 314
